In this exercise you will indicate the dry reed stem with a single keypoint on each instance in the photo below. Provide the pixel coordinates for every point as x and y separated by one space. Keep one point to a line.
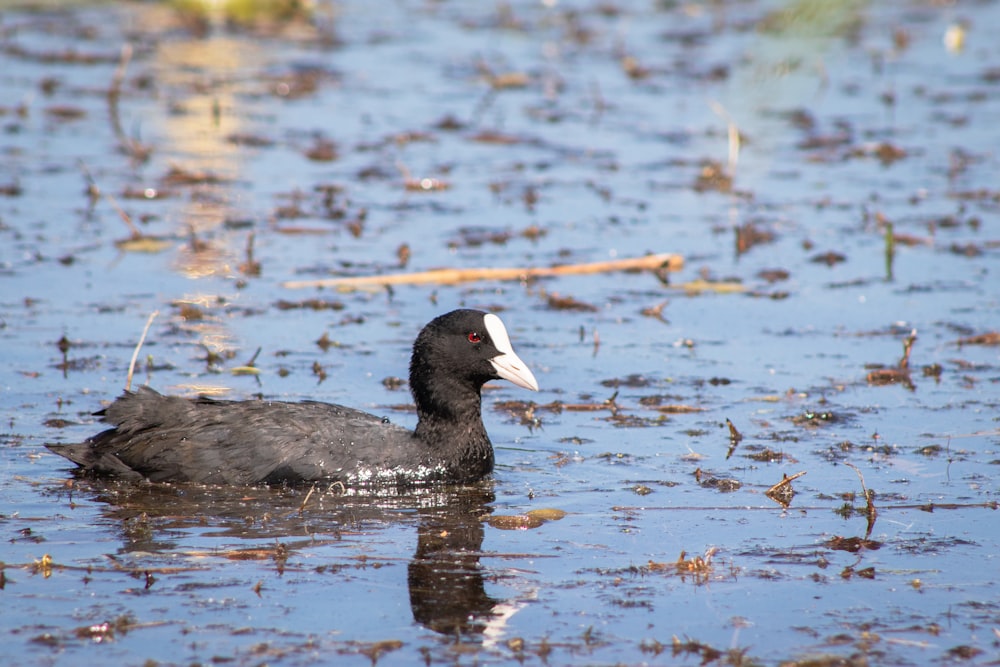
732 135
131 147
662 261
138 346
871 512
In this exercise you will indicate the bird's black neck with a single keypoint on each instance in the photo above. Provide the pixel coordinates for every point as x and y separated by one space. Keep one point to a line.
457 426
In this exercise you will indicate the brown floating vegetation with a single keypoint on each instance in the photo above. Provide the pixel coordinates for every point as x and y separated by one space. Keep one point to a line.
870 511
719 483
663 262
735 437
988 338
530 519
699 567
901 372
782 492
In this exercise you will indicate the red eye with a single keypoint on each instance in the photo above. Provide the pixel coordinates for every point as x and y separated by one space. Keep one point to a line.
474 337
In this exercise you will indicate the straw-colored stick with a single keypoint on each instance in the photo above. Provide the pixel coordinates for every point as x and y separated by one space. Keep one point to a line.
138 346
663 261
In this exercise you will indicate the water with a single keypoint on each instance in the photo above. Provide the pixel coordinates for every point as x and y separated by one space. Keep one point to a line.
850 115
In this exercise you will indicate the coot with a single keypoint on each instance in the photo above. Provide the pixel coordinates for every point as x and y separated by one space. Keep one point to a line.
168 438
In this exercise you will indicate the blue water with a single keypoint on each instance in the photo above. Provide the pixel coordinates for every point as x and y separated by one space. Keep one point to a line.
605 165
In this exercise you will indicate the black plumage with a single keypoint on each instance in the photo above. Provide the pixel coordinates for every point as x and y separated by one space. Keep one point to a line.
168 438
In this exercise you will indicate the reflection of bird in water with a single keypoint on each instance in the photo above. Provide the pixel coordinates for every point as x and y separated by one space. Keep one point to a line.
447 592
447 586
445 578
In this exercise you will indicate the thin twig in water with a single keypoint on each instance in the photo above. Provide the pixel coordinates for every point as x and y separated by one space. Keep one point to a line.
95 191
138 346
132 148
733 133
305 500
870 510
785 481
253 359
904 362
126 218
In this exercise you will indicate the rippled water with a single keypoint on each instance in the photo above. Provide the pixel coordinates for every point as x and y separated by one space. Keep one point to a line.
363 140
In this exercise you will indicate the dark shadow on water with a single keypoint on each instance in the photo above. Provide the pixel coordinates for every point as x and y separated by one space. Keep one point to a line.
445 578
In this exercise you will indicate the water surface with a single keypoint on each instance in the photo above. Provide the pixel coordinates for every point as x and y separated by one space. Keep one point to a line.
361 140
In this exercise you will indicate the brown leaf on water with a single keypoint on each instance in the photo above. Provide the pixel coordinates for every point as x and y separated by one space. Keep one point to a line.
265 553
899 374
964 652
314 303
706 653
767 455
713 176
449 123
888 153
43 566
678 409
12 189
989 338
546 514
655 311
497 138
322 150
634 69
830 258
813 419
773 275
721 484
180 176
509 80
374 650
735 437
910 240
530 519
698 566
249 140
852 544
65 112
557 302
966 249
751 234
782 492
190 312
884 152
887 376
864 573
514 521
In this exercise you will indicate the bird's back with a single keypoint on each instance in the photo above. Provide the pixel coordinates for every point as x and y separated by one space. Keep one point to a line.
162 438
